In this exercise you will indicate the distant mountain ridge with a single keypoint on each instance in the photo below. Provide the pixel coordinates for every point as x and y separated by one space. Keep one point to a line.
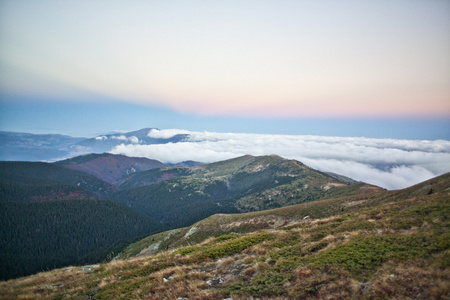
15 146
18 146
105 143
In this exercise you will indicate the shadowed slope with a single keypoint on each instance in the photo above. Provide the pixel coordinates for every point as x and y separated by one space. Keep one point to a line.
39 173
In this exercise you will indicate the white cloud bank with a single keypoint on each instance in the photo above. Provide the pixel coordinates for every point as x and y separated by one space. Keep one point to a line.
388 163
130 139
166 133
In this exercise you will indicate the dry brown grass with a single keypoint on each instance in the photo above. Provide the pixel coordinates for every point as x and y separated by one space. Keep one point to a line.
227 261
412 280
45 285
328 283
180 281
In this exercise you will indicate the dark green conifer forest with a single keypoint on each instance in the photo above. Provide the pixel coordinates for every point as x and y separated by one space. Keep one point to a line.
45 235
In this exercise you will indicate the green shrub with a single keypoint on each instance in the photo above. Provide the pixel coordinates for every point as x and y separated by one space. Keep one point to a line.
364 254
286 240
233 246
226 237
270 283
188 250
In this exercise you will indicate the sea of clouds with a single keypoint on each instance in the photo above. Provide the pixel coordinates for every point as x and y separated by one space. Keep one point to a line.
389 163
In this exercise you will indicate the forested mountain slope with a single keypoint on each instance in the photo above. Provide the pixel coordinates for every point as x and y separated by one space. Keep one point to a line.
179 196
51 216
39 173
38 236
21 192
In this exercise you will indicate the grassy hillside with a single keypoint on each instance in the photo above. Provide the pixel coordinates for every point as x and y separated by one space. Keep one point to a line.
223 224
374 245
39 236
153 176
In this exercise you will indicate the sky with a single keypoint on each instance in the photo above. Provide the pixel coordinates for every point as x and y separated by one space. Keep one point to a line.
369 68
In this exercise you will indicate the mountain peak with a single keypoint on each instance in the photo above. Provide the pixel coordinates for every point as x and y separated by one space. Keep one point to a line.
110 167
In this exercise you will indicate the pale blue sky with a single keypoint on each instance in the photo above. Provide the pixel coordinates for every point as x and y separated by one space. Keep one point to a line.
363 68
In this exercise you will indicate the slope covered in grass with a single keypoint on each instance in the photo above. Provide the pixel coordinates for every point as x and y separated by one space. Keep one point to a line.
377 245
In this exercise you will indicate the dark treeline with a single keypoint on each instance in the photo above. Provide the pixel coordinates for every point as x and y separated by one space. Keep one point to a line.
21 192
39 173
44 235
175 203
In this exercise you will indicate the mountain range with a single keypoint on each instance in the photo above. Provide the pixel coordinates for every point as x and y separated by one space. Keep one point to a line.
15 146
162 197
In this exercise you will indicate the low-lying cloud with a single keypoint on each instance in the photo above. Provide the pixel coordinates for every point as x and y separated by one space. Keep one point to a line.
166 133
130 139
388 163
